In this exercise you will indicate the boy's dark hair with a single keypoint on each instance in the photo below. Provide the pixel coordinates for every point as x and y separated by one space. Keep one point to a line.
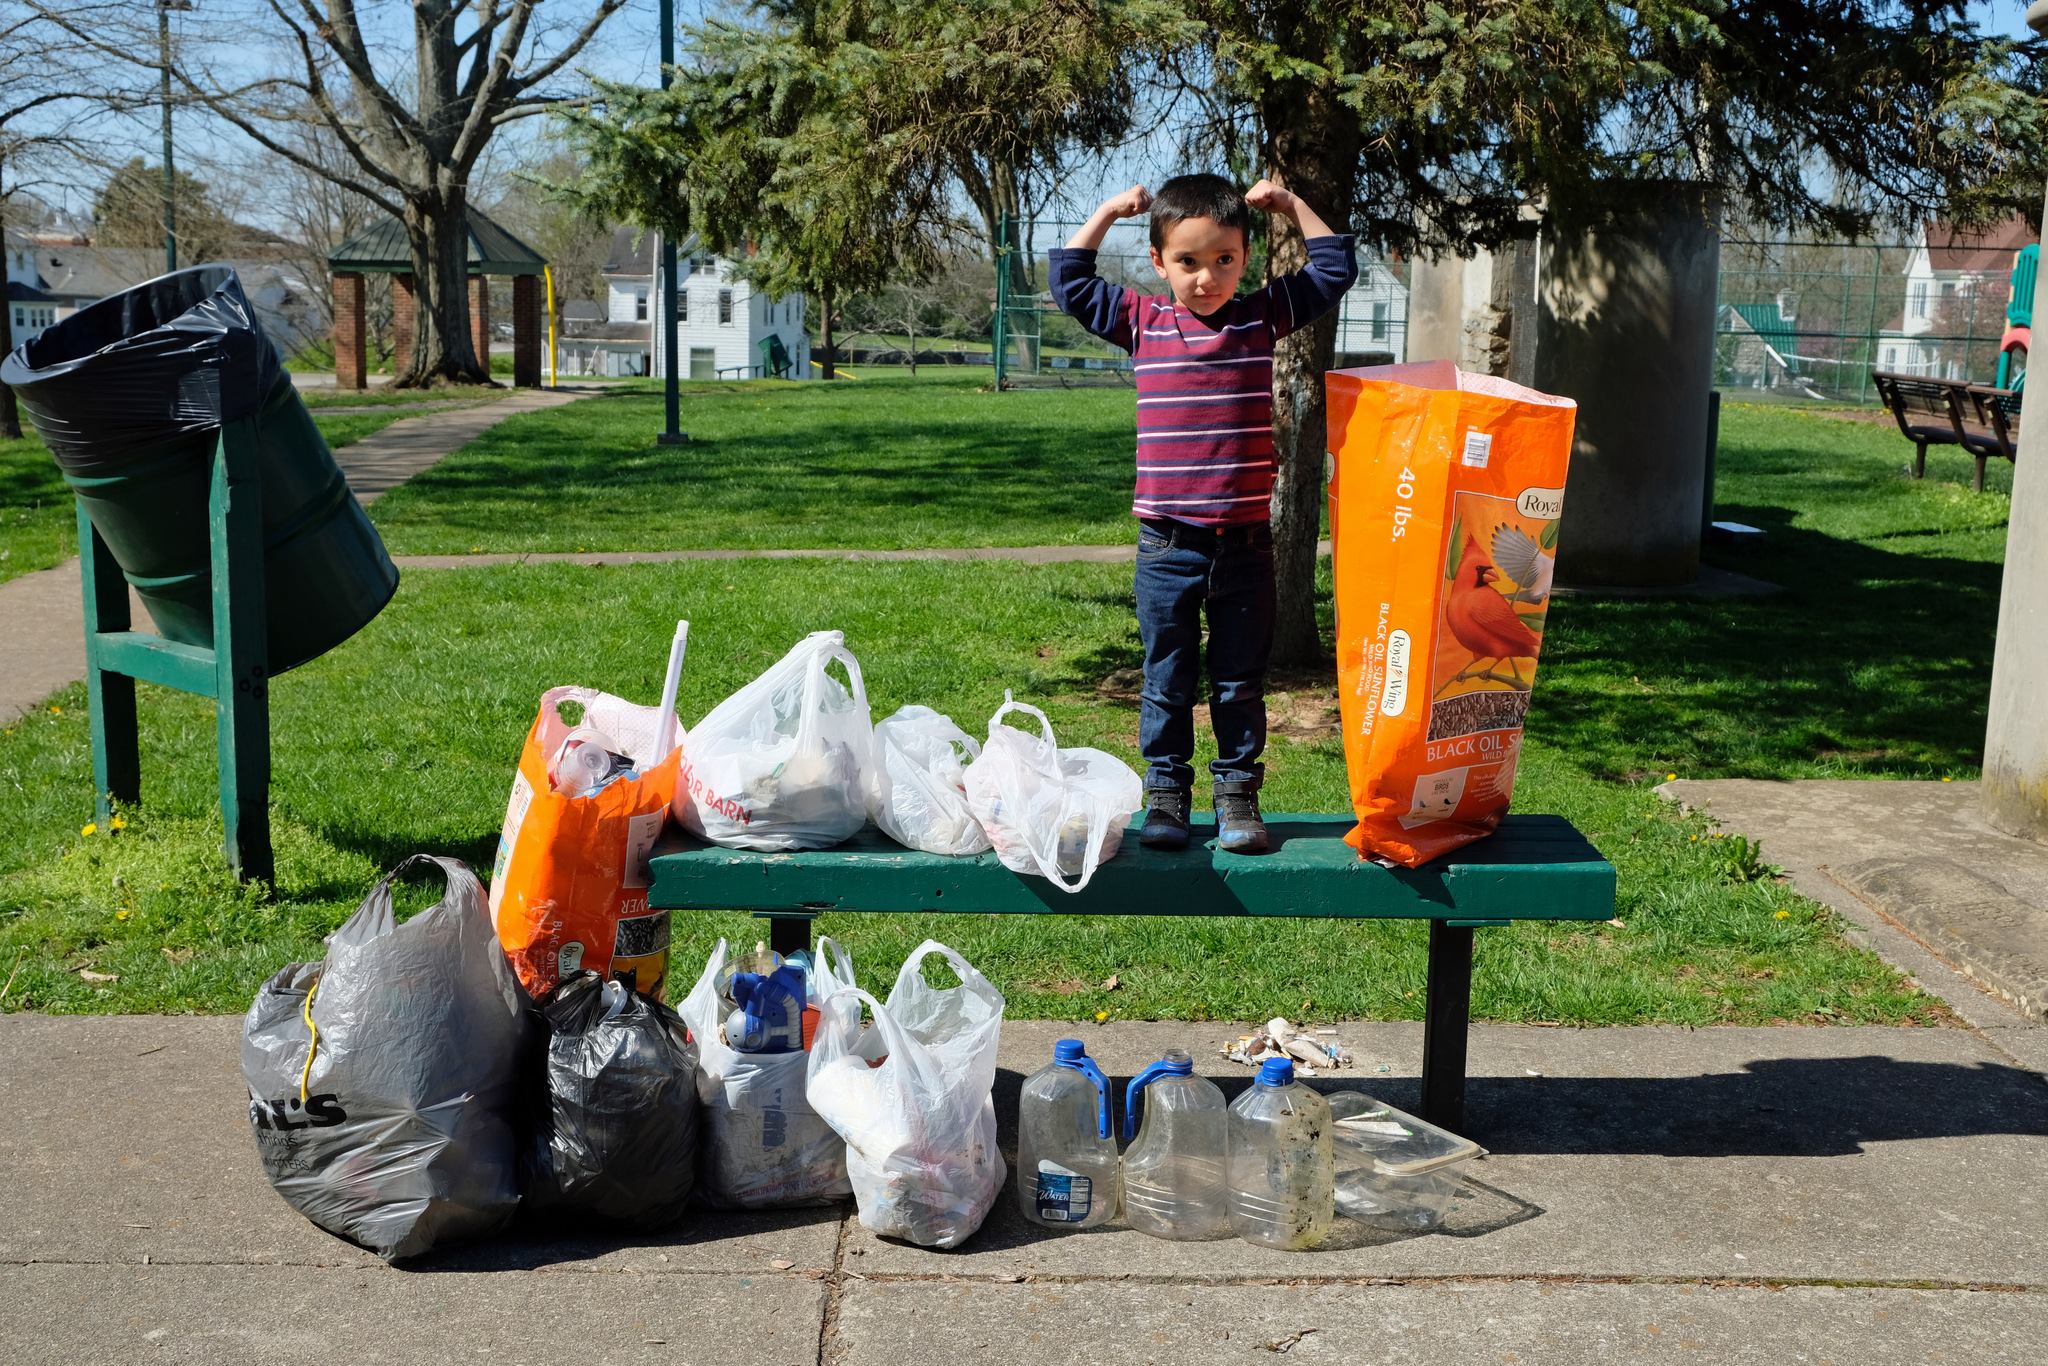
1199 196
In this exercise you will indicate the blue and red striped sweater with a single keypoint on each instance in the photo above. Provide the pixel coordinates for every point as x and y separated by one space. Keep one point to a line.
1205 383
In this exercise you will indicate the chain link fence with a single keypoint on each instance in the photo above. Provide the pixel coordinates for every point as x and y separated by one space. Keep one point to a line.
1808 322
1796 321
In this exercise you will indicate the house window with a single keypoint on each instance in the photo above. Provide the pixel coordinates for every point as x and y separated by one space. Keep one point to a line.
725 305
1379 321
1920 299
682 305
639 307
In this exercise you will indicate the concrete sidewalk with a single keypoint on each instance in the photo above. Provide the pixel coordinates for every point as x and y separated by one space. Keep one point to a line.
1728 1195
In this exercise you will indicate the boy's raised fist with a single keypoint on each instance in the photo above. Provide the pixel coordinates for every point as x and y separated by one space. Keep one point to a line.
1270 197
1131 202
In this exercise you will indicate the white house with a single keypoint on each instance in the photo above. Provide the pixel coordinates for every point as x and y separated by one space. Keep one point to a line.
1372 319
1943 263
722 324
30 309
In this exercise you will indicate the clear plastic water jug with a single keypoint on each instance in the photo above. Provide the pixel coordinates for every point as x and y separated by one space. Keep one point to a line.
1283 1176
1175 1181
1066 1155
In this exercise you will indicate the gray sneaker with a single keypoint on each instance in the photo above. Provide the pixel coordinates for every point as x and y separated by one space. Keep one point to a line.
1239 827
1166 818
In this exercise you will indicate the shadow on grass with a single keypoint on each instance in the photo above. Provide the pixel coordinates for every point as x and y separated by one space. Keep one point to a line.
1875 660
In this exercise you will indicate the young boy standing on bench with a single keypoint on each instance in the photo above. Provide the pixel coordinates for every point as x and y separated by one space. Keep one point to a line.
1203 357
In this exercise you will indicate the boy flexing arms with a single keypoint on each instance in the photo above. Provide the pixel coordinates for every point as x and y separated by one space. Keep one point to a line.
1203 357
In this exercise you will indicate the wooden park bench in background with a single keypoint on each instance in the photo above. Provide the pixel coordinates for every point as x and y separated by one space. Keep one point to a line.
1943 412
1534 868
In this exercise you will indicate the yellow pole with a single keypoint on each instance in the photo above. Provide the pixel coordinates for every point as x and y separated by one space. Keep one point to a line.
554 359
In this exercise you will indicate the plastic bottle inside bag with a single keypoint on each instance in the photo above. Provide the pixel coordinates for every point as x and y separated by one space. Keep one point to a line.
1175 1181
1066 1155
588 762
1283 1177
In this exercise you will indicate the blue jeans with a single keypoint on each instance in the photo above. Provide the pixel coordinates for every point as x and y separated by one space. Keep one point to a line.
1181 570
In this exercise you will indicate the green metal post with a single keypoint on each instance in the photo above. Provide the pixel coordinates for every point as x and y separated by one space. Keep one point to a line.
1000 340
240 652
110 695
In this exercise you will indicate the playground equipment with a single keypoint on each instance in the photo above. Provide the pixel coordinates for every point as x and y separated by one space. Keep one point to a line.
2019 318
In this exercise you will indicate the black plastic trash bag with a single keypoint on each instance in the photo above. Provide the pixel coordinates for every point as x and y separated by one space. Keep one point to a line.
614 1133
382 1082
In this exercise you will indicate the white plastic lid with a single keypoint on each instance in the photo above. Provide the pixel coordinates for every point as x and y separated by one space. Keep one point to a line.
1394 1141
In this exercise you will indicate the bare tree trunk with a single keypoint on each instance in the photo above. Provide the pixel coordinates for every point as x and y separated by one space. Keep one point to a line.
1312 150
10 416
441 349
825 330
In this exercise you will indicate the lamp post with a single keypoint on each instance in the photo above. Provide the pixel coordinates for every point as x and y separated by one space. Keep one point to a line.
163 48
672 402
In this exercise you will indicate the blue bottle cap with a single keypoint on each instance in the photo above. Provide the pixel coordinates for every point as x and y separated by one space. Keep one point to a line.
1067 1050
1276 1072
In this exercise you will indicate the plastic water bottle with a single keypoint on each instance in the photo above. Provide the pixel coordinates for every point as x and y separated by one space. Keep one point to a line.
1066 1155
1175 1178
1283 1171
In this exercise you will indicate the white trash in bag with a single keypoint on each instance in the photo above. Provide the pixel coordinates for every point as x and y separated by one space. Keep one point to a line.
1056 812
784 762
761 1143
920 1127
919 794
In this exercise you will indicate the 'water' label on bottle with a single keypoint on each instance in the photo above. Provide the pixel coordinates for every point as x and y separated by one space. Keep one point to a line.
1064 1196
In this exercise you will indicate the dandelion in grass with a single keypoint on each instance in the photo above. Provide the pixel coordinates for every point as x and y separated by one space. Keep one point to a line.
1783 915
89 829
118 823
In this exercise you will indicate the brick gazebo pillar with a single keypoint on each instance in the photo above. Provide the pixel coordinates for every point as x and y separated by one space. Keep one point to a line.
404 318
526 331
480 320
350 372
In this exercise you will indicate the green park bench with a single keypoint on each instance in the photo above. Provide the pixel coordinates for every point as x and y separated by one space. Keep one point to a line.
1534 868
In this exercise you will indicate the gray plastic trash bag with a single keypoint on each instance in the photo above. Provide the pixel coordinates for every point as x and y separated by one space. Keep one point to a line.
614 1132
389 1119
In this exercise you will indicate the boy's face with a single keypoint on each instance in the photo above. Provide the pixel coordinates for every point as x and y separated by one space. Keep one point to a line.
1201 263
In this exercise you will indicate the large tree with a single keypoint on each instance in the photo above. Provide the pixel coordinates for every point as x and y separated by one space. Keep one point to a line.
413 114
129 212
895 108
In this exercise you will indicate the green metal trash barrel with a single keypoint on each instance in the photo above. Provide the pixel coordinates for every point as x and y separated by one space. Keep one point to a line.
130 395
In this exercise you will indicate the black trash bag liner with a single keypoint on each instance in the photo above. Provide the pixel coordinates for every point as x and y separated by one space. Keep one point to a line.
183 353
614 1123
401 1132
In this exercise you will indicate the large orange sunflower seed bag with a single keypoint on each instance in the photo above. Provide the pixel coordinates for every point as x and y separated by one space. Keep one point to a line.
1445 494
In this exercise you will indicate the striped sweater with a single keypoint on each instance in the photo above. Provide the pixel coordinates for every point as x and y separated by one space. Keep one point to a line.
1205 383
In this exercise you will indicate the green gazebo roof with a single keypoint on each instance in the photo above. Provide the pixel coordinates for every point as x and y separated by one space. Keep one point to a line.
381 249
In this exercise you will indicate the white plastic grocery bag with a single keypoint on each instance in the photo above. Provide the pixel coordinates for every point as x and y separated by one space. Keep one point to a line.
920 1126
919 793
783 763
761 1142
1057 812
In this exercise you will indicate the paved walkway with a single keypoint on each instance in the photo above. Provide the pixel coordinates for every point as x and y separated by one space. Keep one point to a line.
1727 1195
44 611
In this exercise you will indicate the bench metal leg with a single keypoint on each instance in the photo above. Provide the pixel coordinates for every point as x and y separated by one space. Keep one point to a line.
1920 460
789 933
1447 1011
1978 484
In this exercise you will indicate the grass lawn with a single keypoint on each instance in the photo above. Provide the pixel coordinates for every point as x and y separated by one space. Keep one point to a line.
386 396
878 462
1874 661
38 523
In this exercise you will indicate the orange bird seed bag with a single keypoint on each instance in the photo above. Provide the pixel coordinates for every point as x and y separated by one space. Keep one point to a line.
569 886
1445 494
